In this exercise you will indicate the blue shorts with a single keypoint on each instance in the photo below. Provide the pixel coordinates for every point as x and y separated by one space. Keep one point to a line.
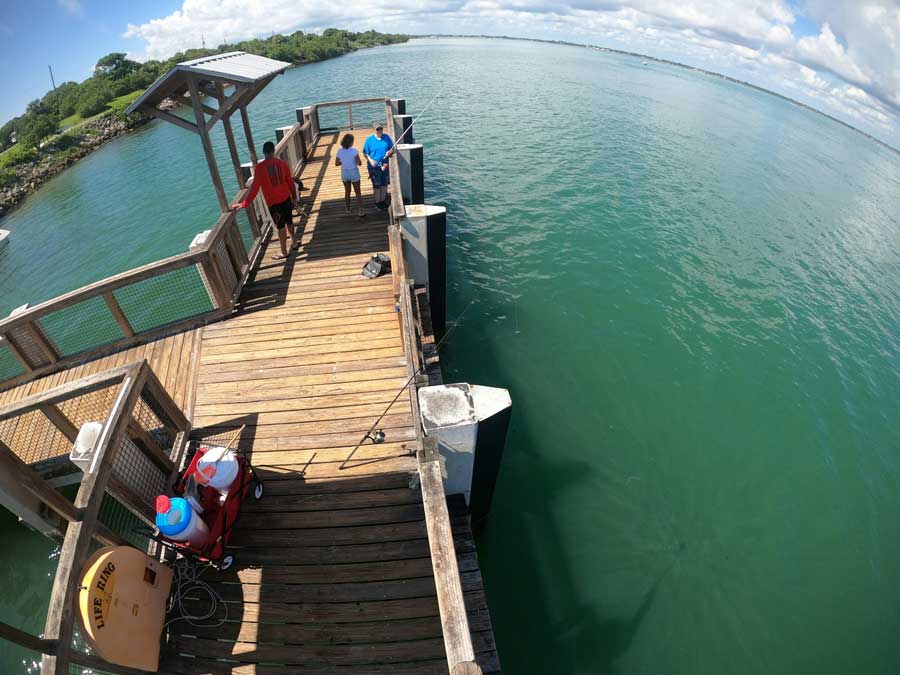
380 177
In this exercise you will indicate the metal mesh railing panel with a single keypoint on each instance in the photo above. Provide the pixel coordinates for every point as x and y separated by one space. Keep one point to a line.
243 225
150 420
33 437
23 340
137 471
165 299
80 327
365 116
9 364
220 255
118 518
93 407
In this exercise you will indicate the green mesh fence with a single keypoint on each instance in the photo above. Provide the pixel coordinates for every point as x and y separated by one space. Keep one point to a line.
123 522
243 224
9 364
80 327
159 301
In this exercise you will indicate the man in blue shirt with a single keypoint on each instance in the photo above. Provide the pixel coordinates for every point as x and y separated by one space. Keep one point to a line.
377 149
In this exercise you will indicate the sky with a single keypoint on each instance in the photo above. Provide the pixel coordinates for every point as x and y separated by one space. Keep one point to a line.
839 56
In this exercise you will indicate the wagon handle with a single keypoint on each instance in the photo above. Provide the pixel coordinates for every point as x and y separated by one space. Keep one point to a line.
235 436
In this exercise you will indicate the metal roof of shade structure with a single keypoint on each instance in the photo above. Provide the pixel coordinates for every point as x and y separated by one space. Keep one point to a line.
233 80
240 69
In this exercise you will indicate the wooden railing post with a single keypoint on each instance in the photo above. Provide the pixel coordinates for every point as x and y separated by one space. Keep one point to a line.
452 606
116 310
350 113
76 546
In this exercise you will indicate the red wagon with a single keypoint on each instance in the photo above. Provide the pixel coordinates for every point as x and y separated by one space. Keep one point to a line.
219 515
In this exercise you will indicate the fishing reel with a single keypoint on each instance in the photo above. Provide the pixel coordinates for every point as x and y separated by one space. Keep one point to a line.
377 436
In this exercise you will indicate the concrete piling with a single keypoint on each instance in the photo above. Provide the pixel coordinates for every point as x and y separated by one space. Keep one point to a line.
410 162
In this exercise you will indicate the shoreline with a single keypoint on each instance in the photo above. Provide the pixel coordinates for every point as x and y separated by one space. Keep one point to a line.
32 175
98 132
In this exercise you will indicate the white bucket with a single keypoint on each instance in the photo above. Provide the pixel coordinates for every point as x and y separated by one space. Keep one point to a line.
82 453
218 468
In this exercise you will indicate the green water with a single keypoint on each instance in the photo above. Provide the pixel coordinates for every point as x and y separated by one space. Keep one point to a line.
692 291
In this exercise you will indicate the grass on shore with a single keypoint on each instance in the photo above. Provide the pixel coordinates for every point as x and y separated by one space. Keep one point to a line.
118 104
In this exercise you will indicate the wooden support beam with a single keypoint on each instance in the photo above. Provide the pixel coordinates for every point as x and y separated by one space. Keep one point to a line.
60 421
41 341
80 387
248 134
20 357
232 146
118 314
455 624
162 404
26 640
171 117
32 481
221 296
77 544
145 442
225 106
207 146
131 499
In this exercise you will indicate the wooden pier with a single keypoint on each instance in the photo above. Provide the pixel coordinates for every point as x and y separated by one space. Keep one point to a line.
356 566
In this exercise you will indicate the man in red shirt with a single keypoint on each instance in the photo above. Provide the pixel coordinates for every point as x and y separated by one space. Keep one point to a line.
273 177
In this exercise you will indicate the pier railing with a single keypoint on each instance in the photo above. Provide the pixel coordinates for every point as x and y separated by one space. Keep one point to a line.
134 307
136 456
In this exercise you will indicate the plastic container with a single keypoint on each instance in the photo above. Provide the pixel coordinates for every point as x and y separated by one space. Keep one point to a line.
218 468
82 453
177 520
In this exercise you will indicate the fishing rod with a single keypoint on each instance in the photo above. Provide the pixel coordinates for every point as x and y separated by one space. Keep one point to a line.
418 117
373 433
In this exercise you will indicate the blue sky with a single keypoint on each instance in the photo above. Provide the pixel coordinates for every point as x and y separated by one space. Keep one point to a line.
69 36
840 56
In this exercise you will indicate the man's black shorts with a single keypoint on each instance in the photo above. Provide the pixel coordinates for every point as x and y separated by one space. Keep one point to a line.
282 213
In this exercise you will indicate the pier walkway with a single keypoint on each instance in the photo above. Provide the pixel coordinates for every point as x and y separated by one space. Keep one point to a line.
333 570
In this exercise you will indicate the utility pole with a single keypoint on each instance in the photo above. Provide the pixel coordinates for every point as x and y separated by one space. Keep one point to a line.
202 40
52 81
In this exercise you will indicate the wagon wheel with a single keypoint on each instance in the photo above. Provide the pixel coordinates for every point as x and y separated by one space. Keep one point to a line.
227 562
258 490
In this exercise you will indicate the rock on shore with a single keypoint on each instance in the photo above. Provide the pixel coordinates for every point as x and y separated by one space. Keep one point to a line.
31 175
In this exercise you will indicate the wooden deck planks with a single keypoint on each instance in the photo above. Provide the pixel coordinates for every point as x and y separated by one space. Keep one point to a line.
333 570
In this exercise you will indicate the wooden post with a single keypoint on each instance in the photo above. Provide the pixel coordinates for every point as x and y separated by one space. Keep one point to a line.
452 607
350 113
26 640
42 343
221 297
20 357
207 145
116 310
60 421
76 546
249 135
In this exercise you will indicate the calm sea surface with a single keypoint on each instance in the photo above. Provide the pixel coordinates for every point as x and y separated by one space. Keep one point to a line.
692 291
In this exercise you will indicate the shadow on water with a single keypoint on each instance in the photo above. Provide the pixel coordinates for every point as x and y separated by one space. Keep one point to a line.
566 632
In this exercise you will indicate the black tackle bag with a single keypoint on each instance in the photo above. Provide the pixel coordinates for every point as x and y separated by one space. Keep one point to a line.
377 265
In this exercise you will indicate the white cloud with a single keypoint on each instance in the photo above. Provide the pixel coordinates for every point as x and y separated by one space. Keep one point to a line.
850 68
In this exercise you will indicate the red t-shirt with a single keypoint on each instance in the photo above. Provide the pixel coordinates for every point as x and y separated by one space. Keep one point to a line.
274 177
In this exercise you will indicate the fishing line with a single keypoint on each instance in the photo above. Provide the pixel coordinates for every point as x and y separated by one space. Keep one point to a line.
379 433
417 117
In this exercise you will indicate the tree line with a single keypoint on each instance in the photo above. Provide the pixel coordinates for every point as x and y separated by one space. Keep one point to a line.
115 75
